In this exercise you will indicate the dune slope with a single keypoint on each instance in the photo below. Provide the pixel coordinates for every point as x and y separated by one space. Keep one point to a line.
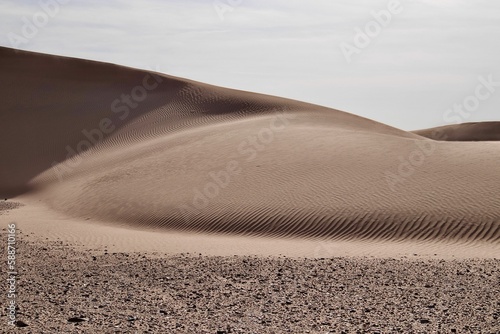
153 151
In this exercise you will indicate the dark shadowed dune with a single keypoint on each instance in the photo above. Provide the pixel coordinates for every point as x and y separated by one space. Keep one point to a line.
49 102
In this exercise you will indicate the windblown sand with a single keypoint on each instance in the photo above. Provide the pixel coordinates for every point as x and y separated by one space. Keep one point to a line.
101 156
174 154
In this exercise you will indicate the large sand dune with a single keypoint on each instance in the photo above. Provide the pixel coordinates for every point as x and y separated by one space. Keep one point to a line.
131 147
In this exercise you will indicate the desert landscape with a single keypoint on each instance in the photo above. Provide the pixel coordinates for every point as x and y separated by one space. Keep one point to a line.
148 203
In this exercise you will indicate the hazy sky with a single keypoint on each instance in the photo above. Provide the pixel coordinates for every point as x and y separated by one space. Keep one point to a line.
409 71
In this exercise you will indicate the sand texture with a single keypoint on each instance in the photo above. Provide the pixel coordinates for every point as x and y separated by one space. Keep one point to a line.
112 144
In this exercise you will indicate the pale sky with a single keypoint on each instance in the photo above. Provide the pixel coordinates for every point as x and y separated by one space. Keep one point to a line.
416 64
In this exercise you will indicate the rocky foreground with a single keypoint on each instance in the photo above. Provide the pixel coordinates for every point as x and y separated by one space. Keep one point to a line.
63 290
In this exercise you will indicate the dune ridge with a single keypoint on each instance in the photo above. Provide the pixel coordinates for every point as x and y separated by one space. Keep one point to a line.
141 148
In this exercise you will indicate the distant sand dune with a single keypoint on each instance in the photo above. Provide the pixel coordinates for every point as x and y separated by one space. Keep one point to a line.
195 157
482 131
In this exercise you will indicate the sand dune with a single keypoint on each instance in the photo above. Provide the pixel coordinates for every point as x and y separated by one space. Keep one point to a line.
126 146
477 131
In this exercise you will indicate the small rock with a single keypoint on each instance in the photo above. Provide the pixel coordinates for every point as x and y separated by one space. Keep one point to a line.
77 319
424 321
20 323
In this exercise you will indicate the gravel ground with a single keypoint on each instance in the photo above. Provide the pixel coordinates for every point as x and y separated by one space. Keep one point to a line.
62 290
8 205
